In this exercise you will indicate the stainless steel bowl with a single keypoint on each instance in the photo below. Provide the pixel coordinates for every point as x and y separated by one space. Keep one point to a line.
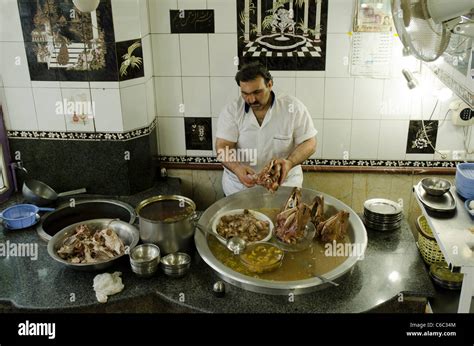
128 233
176 264
435 186
144 259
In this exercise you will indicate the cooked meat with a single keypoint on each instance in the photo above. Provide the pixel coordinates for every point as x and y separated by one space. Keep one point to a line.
245 226
269 177
88 246
334 228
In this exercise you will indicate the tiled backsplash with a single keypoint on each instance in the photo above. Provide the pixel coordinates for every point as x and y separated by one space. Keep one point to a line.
189 75
357 118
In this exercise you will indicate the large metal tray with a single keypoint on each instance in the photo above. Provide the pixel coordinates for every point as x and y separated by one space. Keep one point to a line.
256 198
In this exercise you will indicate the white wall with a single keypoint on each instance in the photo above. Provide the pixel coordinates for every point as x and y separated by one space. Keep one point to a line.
367 117
119 106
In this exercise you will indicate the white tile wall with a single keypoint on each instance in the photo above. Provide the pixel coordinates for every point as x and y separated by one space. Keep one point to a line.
144 17
338 98
171 136
223 53
192 4
364 139
3 104
21 109
393 139
223 91
150 100
214 131
368 98
159 11
336 138
169 96
10 27
225 15
285 85
450 137
108 110
166 55
78 95
50 118
196 95
194 50
126 17
134 107
338 55
397 99
319 125
147 57
14 70
311 92
340 14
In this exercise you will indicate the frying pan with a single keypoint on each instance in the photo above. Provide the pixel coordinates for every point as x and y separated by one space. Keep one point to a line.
39 193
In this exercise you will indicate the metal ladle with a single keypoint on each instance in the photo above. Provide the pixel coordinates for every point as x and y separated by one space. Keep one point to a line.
234 244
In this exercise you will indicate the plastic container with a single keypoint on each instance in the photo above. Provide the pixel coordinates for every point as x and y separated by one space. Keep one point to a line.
427 243
465 180
21 215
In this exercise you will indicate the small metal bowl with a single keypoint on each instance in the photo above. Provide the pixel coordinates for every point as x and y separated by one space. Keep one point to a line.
435 186
144 259
176 264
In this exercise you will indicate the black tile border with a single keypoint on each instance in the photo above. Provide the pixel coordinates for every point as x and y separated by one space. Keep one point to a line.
84 136
326 162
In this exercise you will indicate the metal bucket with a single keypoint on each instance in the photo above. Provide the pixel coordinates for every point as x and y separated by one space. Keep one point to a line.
168 221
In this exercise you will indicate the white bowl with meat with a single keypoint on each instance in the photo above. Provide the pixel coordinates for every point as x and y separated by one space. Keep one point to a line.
250 225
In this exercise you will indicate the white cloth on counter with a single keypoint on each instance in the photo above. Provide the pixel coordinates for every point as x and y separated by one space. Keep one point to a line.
106 285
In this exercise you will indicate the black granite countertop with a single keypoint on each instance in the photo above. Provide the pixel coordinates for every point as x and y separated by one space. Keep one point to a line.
392 270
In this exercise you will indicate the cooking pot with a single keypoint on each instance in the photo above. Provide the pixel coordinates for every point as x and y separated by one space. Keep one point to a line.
168 221
39 193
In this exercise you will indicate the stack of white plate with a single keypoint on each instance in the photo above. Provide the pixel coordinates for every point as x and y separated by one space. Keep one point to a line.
465 180
382 214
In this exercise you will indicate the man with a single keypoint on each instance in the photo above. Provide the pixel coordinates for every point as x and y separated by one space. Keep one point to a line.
264 125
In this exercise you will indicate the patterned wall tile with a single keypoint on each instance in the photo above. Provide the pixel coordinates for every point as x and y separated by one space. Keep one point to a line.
192 21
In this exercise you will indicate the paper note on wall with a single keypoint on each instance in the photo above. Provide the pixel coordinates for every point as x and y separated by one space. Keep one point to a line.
371 54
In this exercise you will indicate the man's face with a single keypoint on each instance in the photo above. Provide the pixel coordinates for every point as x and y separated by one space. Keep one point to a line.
256 93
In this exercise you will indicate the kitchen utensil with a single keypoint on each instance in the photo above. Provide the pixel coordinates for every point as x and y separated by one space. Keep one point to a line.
176 264
21 215
465 180
427 243
440 204
256 214
258 198
144 259
39 193
219 289
67 214
168 221
443 277
382 214
128 233
435 186
235 244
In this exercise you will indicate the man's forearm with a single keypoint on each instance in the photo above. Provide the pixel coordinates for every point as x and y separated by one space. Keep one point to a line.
302 152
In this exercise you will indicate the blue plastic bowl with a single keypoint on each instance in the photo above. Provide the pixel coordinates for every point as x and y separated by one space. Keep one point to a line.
21 215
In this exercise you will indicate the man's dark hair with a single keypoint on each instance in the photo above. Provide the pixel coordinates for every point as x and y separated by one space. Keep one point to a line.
251 71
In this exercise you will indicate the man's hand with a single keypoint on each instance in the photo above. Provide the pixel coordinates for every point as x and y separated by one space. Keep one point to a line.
245 175
286 165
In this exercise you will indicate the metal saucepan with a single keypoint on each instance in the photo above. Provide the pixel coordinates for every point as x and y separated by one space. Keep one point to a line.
39 193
